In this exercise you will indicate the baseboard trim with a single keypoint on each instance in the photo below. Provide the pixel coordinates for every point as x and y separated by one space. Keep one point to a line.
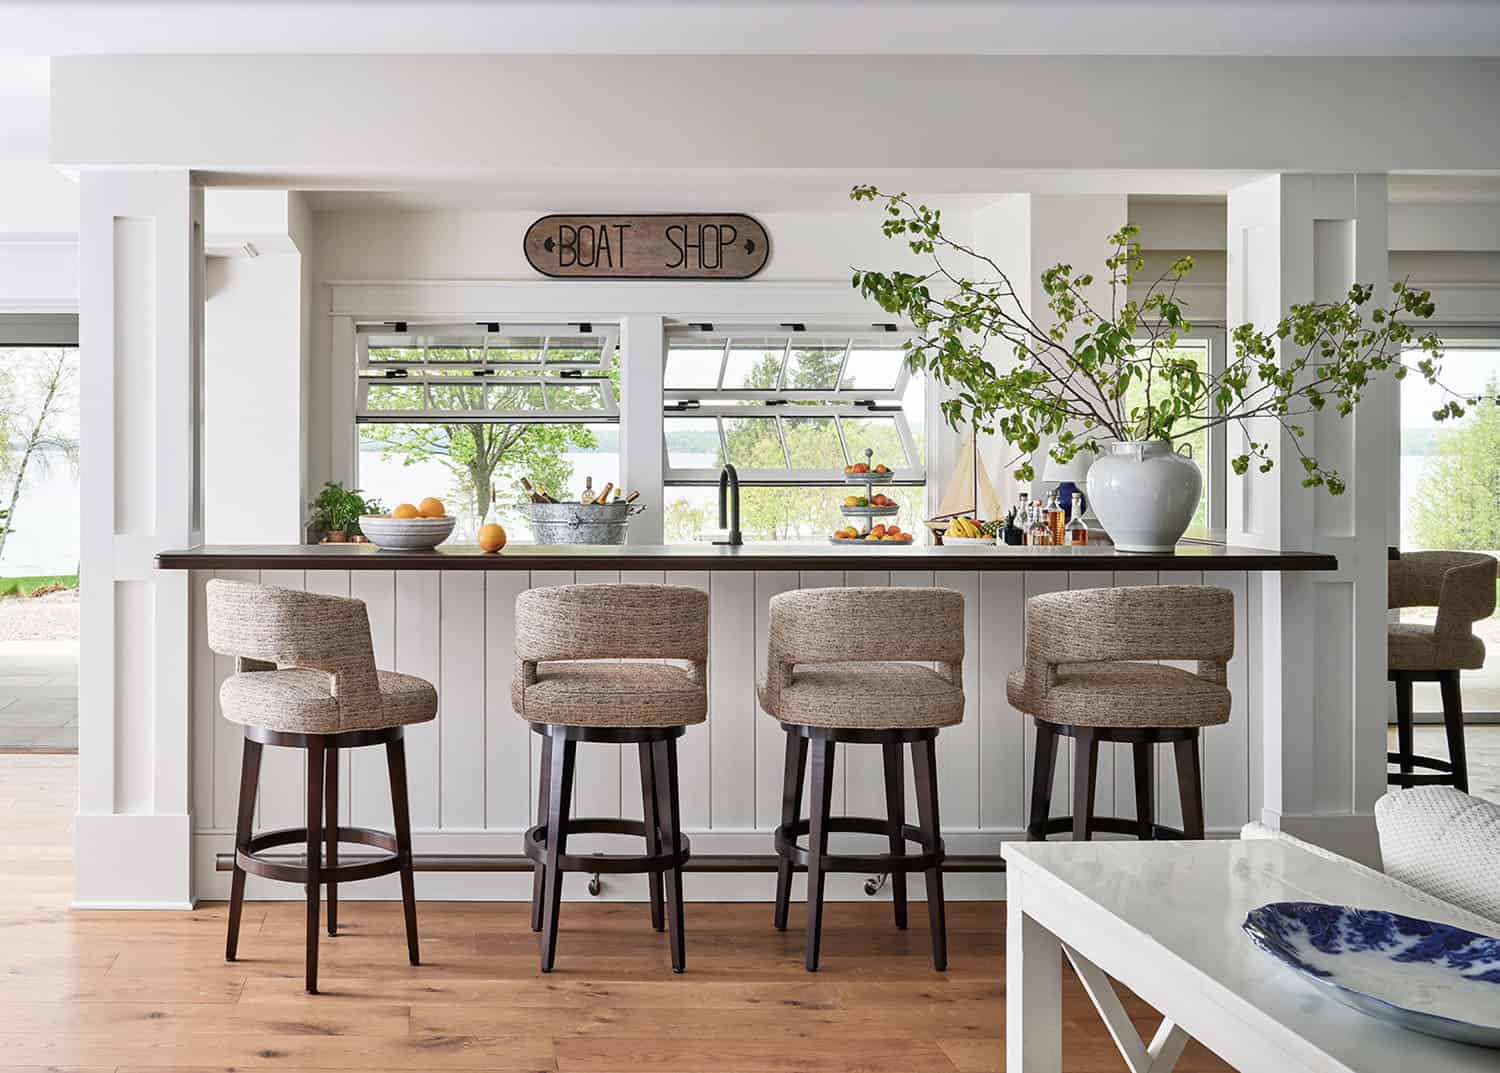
132 861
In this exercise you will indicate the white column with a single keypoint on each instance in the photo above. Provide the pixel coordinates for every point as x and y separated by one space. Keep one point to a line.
140 332
642 368
1299 238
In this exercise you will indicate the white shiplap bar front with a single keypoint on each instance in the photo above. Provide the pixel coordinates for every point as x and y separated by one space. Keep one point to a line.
473 770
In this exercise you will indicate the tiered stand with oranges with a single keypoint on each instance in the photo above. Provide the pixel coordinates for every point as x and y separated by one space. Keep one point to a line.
868 508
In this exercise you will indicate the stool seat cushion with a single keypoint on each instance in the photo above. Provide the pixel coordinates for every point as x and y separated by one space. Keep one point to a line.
599 694
1122 694
866 696
300 701
1412 646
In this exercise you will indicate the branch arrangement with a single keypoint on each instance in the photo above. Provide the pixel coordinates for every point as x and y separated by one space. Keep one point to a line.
1093 376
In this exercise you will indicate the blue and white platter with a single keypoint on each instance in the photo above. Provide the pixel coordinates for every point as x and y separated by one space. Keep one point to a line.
1419 974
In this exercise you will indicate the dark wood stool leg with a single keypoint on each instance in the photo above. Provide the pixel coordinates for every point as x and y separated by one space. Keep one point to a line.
791 811
395 758
560 795
821 809
895 814
331 814
315 751
1190 786
1043 771
244 823
1453 723
1144 755
1085 781
669 816
539 870
1405 739
653 831
924 768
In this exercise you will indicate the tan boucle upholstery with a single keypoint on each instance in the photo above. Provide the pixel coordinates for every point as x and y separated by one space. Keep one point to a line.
305 663
557 627
1461 585
1080 648
844 658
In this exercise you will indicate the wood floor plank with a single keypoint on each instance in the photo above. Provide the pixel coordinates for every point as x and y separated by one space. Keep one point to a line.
136 992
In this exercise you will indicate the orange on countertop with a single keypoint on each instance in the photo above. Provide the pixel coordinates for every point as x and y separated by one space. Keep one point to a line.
491 537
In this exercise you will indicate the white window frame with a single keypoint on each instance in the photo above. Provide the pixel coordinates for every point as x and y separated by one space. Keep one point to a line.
839 403
1214 336
565 373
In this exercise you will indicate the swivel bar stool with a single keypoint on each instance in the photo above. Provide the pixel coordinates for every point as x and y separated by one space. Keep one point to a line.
1461 585
648 704
1081 681
305 678
830 681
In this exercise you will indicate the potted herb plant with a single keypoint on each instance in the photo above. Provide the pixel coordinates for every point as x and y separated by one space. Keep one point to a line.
337 510
1111 382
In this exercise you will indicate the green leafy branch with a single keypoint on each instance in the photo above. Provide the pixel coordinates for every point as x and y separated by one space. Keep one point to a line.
1092 376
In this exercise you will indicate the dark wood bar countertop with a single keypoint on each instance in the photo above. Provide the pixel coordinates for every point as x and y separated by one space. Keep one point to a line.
1189 555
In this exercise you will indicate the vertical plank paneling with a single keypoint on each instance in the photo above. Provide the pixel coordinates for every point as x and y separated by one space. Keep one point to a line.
630 765
509 796
958 746
1124 799
461 691
1168 802
1226 749
1036 584
283 772
770 739
694 773
1002 730
731 699
335 583
229 738
201 692
369 784
598 775
864 770
541 579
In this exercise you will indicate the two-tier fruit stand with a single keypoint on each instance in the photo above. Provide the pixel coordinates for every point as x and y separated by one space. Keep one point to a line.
865 516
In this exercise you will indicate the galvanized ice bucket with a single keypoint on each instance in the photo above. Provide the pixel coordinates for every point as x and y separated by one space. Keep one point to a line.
576 523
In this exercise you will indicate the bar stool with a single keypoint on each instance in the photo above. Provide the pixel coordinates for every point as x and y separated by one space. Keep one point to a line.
649 705
830 680
1081 681
1461 585
305 678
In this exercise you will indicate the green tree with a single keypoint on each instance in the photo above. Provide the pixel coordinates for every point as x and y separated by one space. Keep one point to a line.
1457 503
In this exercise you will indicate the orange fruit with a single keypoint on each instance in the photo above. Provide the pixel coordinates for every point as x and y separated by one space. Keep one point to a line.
491 537
431 507
405 510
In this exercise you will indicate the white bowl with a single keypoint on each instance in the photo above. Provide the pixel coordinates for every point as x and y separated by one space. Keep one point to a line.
957 540
406 534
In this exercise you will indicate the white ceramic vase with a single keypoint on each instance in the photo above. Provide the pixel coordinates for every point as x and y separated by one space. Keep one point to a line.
1145 494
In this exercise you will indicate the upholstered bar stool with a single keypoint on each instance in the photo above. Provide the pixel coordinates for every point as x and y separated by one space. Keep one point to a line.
1461 585
305 678
1082 681
830 681
648 704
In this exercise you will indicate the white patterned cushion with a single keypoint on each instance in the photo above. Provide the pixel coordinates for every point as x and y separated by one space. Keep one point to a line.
1444 842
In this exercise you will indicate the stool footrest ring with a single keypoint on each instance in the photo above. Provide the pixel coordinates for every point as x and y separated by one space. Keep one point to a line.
535 844
248 857
932 854
1109 825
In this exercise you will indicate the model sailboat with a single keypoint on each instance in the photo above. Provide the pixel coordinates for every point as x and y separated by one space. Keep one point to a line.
967 492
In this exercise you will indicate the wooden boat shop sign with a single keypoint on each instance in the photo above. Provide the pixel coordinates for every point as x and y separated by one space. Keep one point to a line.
647 246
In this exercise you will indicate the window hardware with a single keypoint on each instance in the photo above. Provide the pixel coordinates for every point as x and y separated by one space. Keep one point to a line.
570 374
884 327
396 374
491 326
679 405
586 328
795 326
397 325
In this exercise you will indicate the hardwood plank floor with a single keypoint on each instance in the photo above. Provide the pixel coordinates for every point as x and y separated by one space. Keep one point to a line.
138 992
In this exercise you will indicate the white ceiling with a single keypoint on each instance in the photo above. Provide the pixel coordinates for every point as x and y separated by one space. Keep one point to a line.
1090 27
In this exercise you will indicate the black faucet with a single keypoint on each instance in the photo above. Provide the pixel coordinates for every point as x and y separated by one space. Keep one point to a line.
729 506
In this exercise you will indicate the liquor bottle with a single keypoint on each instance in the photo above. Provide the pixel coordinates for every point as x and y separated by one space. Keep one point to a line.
604 495
492 516
1056 519
1041 533
588 491
1078 533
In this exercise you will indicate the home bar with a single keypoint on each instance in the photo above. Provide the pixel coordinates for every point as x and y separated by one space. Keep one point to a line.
654 549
